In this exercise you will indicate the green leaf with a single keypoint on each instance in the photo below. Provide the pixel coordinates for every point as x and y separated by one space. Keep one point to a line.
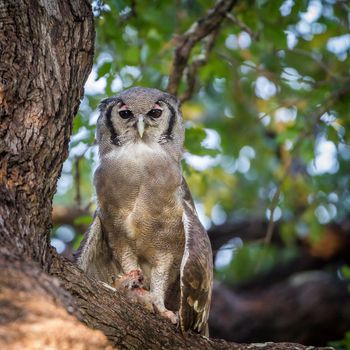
194 136
104 69
83 220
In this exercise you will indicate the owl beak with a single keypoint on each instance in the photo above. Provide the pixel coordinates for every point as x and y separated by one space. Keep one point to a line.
140 126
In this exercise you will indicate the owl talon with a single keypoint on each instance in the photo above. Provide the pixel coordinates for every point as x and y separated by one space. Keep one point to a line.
132 284
178 320
131 280
172 316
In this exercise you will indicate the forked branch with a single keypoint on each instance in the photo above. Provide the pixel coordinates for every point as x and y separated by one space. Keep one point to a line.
205 26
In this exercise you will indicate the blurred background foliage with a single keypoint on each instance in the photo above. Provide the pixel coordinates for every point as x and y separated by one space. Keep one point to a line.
266 128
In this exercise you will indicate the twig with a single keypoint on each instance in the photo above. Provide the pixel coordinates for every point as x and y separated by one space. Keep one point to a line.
243 26
198 62
322 64
185 43
265 72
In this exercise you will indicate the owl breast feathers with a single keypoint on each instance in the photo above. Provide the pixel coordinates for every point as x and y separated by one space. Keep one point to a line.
146 220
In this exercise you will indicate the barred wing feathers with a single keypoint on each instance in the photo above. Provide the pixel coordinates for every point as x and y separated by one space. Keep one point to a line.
196 275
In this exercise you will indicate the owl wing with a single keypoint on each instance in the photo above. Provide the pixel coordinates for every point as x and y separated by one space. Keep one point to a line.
196 274
94 256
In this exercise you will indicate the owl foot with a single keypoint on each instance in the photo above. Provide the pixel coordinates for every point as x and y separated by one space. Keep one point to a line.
132 284
170 315
133 279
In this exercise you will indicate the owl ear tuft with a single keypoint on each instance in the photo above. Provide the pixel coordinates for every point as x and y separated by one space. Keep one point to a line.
107 101
172 99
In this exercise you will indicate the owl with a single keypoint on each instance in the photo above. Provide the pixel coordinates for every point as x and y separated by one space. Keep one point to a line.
146 220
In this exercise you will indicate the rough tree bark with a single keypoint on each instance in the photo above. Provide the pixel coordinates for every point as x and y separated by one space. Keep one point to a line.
46 51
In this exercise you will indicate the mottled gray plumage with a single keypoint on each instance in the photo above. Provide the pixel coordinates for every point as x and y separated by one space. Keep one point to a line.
146 218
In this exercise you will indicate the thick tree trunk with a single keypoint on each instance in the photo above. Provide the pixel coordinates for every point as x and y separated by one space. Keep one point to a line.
46 52
46 49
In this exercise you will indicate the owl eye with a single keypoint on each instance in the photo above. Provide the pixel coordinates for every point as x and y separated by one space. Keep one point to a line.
155 113
126 114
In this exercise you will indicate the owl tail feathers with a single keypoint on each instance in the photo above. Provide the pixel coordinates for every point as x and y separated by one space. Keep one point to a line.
205 331
94 255
187 322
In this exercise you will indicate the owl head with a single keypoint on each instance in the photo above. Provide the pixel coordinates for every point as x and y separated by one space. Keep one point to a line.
138 115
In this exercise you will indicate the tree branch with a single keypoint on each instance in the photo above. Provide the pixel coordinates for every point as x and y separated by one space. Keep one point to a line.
185 43
198 61
62 215
128 325
34 311
243 26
